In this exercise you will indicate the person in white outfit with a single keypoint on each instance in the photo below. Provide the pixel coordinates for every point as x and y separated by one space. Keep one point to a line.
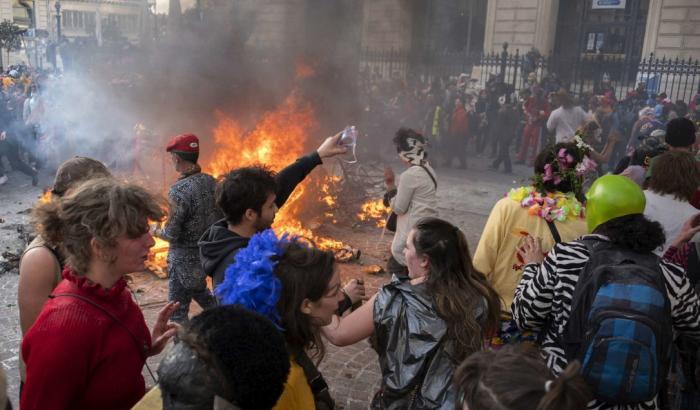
674 179
414 194
566 119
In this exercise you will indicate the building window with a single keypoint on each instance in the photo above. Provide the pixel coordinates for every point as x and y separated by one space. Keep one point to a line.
127 23
79 20
22 12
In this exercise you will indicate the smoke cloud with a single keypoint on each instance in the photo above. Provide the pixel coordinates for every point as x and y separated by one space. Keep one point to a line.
217 60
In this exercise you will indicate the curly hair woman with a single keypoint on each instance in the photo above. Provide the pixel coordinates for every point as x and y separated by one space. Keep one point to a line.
425 326
41 264
88 346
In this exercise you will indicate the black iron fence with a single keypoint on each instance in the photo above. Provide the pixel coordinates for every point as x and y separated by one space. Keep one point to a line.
678 78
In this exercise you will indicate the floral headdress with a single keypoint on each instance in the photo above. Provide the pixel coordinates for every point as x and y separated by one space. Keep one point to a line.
250 281
564 170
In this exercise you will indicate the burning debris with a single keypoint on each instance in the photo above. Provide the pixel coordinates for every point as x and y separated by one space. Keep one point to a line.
157 261
374 210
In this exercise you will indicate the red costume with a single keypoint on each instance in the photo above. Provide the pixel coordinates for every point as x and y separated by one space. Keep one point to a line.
80 357
536 112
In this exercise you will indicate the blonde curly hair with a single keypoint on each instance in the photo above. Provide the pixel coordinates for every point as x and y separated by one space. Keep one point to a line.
102 209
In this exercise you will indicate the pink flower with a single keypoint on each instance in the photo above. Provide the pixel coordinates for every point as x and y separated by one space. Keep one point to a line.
564 158
529 201
586 166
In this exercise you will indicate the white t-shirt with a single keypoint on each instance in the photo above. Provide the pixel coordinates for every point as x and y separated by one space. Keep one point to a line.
566 122
670 212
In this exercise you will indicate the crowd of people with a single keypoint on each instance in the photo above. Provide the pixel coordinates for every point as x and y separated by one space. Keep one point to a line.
459 119
582 292
20 110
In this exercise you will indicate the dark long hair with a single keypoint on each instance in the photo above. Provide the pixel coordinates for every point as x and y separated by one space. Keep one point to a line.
305 272
463 298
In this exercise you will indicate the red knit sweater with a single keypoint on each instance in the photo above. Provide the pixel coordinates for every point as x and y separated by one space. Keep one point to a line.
78 357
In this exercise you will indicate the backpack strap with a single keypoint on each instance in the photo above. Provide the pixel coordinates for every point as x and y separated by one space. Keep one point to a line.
318 385
430 174
553 230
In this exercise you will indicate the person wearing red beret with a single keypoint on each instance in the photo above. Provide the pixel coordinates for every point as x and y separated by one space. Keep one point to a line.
192 211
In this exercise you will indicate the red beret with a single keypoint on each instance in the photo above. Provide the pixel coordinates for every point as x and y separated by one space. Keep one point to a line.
184 143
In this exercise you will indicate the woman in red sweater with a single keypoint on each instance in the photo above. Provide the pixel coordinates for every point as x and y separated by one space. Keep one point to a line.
88 346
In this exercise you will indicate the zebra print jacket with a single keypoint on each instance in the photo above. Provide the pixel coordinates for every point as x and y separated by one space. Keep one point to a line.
544 294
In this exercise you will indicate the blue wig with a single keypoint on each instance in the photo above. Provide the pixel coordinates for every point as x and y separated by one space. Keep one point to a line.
250 281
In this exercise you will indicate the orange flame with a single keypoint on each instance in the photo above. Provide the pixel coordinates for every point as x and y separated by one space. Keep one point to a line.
374 210
276 141
45 197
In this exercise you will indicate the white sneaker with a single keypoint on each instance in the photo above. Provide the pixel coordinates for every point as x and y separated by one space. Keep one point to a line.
3 179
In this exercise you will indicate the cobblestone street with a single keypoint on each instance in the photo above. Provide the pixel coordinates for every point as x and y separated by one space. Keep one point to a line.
466 197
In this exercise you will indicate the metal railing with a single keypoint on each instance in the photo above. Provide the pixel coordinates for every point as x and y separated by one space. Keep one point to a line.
678 78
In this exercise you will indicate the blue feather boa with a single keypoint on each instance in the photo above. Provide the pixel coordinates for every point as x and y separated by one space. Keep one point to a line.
250 281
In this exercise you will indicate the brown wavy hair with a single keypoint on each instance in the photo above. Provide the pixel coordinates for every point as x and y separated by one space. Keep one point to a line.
102 209
675 173
463 298
515 378
305 273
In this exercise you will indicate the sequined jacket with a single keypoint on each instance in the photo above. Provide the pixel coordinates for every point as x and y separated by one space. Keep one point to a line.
192 211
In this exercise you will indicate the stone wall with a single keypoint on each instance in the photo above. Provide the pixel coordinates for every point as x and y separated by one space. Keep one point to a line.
673 29
275 21
386 25
522 24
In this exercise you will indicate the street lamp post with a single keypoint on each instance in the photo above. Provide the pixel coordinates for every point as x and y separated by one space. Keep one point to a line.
58 21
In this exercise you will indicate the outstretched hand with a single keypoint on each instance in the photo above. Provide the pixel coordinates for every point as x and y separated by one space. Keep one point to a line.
355 289
531 250
163 329
332 147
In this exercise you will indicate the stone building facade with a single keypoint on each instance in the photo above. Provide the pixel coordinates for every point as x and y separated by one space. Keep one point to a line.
671 28
79 19
662 27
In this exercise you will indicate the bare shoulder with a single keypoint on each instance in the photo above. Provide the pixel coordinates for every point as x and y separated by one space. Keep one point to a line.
39 261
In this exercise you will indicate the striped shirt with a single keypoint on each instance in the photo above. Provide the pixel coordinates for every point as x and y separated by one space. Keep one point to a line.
545 292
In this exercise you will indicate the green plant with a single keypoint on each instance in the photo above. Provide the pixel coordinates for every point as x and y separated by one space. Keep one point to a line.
10 37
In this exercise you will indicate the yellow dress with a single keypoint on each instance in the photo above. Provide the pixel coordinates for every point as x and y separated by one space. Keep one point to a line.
297 393
496 255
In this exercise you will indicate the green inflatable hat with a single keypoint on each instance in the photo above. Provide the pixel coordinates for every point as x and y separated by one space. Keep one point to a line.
610 197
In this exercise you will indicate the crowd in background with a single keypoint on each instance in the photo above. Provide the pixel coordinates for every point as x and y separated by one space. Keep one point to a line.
20 111
460 118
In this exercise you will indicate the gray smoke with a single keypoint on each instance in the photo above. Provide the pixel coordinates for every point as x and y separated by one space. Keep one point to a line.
216 60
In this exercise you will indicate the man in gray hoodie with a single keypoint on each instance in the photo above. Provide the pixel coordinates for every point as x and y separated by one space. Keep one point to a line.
249 199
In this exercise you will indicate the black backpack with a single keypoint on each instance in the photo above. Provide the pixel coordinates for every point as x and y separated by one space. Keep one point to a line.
620 324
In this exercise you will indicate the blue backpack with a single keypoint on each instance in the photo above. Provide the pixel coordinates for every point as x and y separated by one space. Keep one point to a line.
620 324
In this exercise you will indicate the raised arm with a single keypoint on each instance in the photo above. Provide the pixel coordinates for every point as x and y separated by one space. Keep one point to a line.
351 329
293 174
